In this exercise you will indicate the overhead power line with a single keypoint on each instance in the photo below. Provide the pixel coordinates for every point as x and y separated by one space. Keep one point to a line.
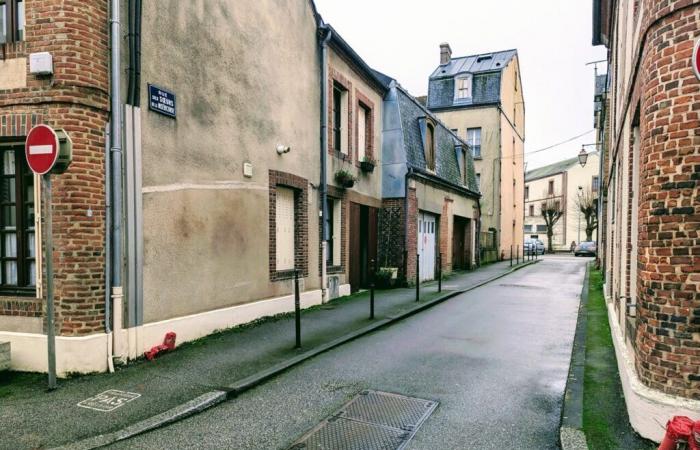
560 143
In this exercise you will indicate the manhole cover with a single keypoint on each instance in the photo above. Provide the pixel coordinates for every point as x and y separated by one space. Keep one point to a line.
372 420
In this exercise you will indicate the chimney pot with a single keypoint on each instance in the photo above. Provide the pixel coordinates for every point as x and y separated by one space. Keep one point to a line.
445 53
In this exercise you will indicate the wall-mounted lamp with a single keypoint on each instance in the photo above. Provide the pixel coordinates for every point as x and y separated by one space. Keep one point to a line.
582 157
282 149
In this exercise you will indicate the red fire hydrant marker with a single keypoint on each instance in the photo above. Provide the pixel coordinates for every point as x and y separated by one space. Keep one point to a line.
678 430
167 345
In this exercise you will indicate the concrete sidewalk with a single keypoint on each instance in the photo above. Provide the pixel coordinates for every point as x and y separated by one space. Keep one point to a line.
202 372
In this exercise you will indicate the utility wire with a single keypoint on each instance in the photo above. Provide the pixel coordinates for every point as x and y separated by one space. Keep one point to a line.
560 143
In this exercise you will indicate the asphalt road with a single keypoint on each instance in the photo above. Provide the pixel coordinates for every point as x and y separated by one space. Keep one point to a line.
496 359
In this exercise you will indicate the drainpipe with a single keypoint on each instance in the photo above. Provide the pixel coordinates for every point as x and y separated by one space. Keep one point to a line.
324 153
108 252
116 169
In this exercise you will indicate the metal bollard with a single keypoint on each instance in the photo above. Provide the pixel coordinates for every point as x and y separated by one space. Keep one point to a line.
511 256
371 289
517 255
417 276
439 272
297 309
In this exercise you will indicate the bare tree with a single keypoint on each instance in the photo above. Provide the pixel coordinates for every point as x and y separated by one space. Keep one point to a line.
587 204
551 212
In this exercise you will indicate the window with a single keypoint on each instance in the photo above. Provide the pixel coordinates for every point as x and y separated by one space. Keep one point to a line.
527 193
478 181
532 210
284 223
333 222
430 147
528 228
363 116
474 141
550 188
541 228
340 118
12 20
595 183
17 246
463 88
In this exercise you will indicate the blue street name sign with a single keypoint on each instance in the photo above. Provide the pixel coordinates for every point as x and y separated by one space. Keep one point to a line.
161 101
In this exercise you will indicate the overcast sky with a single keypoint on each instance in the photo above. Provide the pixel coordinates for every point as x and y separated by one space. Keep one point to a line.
553 37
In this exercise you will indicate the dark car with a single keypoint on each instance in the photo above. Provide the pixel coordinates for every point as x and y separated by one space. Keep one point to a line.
586 249
532 246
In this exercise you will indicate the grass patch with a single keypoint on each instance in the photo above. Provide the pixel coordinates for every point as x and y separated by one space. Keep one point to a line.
605 419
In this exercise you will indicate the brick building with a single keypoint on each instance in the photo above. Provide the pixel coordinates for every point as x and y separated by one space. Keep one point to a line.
651 190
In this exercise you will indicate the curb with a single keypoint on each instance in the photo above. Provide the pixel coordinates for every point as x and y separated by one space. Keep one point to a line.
571 435
213 398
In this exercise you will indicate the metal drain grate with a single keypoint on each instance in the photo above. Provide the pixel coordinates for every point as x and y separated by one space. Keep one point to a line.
372 420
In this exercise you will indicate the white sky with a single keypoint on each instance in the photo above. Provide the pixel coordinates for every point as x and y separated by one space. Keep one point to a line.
401 38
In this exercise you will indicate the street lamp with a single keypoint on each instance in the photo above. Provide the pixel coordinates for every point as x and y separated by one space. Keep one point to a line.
580 192
582 157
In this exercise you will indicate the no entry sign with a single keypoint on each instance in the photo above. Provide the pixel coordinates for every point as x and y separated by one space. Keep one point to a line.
41 149
696 58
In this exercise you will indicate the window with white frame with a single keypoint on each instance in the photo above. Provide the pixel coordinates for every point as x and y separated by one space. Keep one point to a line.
362 124
478 181
12 19
284 229
463 87
474 141
340 118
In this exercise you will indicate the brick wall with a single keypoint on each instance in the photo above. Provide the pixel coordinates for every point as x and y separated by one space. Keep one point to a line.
75 98
412 234
446 230
301 223
668 333
391 234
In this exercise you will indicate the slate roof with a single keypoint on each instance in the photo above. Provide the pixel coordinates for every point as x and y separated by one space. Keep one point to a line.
484 62
342 45
446 163
601 82
486 71
553 169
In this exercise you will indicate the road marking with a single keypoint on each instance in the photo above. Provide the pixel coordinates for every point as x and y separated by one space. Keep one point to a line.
40 149
108 400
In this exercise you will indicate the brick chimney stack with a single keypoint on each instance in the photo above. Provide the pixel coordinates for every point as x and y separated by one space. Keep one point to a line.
445 53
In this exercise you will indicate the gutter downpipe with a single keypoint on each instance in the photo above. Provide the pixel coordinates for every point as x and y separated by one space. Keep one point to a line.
324 147
409 172
116 169
108 251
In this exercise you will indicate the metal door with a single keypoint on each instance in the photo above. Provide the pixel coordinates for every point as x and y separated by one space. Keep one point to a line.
427 228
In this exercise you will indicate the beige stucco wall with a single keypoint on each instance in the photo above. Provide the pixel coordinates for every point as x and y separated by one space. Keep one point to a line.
240 93
369 184
512 125
538 194
579 176
489 165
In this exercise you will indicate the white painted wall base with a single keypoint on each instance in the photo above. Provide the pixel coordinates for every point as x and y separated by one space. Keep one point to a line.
648 409
87 354
343 290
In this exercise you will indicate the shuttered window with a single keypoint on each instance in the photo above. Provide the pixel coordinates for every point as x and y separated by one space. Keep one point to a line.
284 227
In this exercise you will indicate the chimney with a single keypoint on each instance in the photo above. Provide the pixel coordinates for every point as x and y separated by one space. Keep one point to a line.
445 53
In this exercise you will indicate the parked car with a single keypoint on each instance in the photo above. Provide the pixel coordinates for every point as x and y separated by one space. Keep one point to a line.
586 249
533 245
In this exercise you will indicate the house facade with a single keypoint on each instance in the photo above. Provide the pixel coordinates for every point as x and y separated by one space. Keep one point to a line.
652 212
220 195
480 98
430 214
564 182
355 105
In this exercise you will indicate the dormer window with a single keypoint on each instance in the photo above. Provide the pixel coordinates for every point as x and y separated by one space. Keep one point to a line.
463 87
430 147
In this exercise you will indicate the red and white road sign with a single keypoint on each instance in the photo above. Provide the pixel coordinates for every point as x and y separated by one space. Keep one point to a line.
41 149
696 58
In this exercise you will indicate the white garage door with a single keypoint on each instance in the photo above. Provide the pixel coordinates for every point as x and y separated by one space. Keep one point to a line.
427 229
284 227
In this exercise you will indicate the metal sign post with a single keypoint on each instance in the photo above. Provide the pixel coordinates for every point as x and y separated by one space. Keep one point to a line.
51 331
43 148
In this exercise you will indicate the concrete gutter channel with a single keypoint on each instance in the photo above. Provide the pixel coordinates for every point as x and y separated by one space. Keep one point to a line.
213 398
571 435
